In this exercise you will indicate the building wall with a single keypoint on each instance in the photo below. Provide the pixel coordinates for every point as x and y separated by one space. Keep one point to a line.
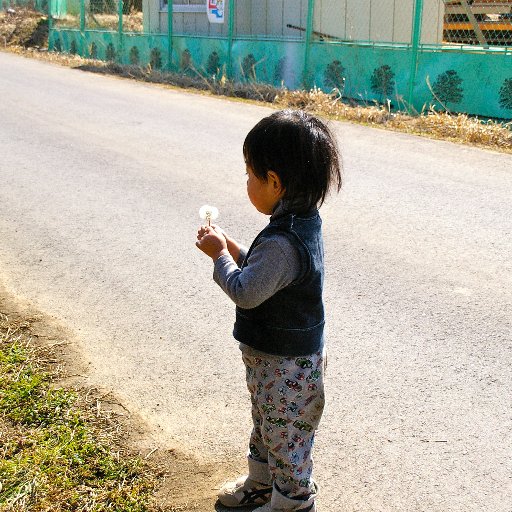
378 20
349 20
151 16
271 18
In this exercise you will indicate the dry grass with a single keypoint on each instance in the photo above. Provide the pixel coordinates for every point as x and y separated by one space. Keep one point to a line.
193 79
459 127
440 125
24 28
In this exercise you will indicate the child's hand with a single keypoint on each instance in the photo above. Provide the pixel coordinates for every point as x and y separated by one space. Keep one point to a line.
202 230
211 240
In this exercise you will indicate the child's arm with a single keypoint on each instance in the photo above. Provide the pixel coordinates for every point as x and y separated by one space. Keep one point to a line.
234 247
273 264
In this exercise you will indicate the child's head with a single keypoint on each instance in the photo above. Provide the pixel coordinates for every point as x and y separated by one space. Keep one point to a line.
301 150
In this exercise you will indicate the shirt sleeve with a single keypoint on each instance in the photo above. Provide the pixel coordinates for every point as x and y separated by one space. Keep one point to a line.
273 264
241 257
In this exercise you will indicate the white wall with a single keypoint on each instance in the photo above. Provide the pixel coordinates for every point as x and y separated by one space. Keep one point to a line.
352 20
151 16
378 20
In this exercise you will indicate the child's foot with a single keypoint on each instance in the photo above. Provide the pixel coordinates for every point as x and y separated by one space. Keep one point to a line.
281 503
311 507
244 492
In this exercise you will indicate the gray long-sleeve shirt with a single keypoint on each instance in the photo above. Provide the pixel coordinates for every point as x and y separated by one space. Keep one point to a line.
273 264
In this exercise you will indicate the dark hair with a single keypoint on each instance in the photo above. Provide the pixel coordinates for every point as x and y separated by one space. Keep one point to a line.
301 150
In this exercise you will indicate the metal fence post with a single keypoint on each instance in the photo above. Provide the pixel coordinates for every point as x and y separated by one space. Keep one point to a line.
231 26
50 24
120 30
82 28
415 44
82 16
307 44
170 9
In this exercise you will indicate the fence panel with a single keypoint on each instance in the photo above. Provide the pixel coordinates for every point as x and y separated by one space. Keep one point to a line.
472 55
477 22
478 83
271 19
370 51
66 13
101 14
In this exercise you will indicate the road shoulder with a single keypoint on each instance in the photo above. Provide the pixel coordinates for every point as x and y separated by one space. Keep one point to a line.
182 482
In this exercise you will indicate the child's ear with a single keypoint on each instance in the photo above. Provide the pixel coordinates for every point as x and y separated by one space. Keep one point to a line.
275 182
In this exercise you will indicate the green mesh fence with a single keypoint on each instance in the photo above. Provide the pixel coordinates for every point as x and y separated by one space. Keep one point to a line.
66 14
478 22
472 62
409 54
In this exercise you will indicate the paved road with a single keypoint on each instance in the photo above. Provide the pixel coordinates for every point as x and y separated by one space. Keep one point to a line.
101 181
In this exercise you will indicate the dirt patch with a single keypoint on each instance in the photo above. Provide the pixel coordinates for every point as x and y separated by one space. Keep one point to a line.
183 483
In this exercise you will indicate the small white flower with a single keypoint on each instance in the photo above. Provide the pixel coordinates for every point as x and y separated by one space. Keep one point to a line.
208 213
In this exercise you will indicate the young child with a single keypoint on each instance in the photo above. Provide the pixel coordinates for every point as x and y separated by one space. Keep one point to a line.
292 163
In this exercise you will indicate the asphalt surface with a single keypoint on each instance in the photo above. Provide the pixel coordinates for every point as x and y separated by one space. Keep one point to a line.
101 180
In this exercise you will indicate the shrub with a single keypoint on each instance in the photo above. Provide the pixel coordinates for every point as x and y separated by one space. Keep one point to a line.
382 81
334 75
110 53
134 55
155 58
447 88
248 67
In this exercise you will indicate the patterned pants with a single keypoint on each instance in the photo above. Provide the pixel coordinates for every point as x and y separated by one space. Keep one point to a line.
287 395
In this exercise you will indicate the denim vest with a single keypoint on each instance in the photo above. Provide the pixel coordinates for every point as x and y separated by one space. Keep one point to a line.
291 322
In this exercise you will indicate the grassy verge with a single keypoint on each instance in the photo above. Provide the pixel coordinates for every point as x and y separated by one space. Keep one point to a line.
459 128
58 450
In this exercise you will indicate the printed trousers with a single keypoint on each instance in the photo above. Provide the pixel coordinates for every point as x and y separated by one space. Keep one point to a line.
287 395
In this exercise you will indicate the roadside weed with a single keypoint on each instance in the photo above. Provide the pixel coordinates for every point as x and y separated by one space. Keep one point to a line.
53 457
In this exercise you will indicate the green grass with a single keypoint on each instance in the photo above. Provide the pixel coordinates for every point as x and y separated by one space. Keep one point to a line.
53 454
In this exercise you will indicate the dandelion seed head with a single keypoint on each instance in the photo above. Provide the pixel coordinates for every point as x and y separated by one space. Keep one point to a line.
208 212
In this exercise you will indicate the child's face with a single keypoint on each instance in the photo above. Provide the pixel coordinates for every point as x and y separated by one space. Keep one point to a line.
264 195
